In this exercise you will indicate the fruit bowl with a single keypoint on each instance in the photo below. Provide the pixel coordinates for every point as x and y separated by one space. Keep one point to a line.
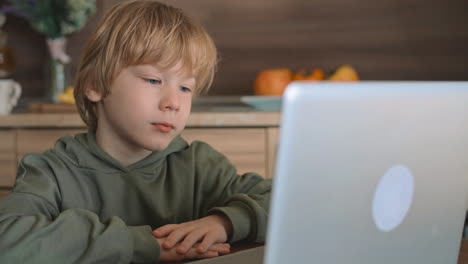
263 103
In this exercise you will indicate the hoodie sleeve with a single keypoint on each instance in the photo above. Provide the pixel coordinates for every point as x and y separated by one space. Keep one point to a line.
34 229
244 199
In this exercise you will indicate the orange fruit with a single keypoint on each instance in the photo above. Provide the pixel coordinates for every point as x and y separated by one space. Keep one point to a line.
314 75
272 82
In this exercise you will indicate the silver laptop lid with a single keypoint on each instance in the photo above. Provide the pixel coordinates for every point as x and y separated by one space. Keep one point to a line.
370 172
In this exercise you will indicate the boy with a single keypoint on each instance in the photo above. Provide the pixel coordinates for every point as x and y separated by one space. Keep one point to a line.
131 189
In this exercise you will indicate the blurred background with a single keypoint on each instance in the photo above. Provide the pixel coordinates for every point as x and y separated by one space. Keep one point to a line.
382 40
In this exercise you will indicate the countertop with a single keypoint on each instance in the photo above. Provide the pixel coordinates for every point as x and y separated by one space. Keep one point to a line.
197 119
209 111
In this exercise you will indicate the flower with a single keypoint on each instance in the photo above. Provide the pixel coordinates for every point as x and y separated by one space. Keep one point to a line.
53 18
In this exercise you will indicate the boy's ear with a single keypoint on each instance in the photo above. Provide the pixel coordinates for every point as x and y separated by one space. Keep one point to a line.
93 95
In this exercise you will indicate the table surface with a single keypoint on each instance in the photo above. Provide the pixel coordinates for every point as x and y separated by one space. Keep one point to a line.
463 257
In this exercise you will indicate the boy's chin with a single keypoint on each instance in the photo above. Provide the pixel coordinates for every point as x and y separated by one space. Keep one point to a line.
156 147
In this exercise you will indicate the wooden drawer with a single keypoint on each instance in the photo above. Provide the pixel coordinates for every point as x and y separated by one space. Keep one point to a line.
7 158
244 147
272 150
3 194
40 140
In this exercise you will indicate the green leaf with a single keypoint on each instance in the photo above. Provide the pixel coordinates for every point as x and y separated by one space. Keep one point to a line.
56 18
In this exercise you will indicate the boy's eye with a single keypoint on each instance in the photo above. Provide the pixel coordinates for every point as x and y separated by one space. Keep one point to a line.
185 89
153 81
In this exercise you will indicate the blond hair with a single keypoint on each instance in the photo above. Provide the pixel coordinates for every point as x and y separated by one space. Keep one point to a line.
142 32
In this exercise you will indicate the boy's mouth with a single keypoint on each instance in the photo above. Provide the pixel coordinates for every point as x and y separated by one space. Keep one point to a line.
163 127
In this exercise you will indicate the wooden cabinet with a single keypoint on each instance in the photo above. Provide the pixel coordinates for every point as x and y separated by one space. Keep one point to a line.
272 137
247 139
39 140
249 149
244 147
7 157
4 193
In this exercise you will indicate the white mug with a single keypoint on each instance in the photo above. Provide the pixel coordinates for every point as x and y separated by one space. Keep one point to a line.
10 92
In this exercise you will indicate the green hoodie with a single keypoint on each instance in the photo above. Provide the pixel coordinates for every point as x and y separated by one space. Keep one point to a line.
76 204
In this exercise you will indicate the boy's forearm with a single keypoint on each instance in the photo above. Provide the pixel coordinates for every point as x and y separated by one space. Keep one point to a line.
248 217
75 235
145 246
245 201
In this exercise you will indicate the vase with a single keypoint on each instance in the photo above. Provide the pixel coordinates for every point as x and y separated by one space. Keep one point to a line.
58 70
58 79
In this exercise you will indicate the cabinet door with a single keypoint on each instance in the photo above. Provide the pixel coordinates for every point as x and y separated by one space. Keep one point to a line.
40 140
272 150
3 194
7 158
244 147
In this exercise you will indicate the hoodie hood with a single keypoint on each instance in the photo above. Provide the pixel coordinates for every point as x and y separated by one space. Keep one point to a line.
83 151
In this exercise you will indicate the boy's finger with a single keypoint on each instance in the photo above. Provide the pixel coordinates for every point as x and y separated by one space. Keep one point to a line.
209 239
221 248
164 230
192 238
175 237
193 254
218 247
210 254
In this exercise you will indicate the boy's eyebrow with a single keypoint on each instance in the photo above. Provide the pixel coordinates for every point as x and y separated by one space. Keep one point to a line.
150 67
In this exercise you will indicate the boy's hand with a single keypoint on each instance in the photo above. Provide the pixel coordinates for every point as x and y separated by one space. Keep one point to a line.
171 254
209 230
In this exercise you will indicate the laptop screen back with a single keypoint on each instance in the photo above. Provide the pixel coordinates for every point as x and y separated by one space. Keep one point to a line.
370 172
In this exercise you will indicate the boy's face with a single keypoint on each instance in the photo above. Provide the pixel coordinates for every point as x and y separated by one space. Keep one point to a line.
145 110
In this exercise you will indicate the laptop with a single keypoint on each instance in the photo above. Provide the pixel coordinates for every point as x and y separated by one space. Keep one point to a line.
368 172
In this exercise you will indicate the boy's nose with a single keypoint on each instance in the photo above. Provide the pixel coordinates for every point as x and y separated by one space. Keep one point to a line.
169 100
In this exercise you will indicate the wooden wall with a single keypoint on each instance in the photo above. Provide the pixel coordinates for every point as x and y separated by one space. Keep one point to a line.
384 40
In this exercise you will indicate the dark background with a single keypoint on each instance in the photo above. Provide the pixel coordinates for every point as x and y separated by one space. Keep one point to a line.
383 40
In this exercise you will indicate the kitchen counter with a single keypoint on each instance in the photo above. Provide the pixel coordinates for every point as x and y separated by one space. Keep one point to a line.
197 119
247 138
207 111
